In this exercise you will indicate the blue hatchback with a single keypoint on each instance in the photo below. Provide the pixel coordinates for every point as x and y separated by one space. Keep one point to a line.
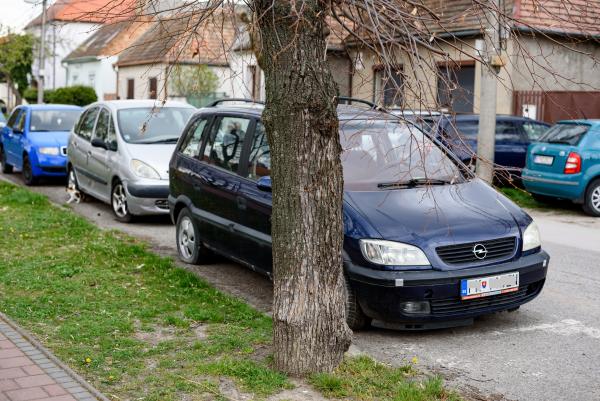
565 164
35 140
426 243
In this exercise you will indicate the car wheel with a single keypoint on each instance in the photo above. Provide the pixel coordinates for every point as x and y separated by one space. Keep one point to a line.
119 203
6 168
28 176
189 246
355 317
72 184
592 199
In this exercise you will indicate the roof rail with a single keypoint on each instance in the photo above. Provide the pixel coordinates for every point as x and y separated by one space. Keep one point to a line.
219 101
349 100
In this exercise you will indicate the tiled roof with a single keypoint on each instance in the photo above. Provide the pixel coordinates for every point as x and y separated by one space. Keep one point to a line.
110 40
183 39
93 11
561 16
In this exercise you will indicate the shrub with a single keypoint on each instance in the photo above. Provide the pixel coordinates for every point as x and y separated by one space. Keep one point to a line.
76 95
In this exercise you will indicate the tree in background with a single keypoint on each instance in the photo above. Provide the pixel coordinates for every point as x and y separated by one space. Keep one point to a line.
192 81
16 57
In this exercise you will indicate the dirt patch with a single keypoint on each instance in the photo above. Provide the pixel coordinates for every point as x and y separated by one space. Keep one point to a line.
154 337
302 392
230 391
200 331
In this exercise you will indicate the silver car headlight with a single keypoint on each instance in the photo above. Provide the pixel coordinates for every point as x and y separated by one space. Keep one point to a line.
52 151
391 253
143 170
531 237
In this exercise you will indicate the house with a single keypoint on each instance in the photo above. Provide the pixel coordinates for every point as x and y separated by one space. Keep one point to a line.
93 62
68 24
549 64
147 69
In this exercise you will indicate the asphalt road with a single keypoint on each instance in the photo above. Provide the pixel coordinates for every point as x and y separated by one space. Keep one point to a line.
548 350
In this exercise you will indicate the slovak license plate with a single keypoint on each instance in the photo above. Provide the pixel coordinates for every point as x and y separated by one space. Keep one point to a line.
545 160
487 286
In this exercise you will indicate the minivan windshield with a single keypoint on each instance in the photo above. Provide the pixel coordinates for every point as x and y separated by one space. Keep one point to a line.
152 125
567 134
53 120
388 154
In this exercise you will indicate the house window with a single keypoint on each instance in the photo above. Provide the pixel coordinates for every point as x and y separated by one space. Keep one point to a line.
455 87
75 78
388 87
92 79
153 88
130 89
255 84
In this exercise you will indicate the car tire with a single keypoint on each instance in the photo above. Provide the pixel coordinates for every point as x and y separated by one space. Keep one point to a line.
118 201
591 205
355 317
189 246
28 176
6 168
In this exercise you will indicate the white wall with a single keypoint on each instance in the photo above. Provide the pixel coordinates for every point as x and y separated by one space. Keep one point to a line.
98 73
61 39
240 83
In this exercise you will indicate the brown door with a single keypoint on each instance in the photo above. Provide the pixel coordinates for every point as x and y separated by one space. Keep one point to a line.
130 91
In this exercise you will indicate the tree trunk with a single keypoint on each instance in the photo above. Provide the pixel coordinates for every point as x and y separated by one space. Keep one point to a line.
310 332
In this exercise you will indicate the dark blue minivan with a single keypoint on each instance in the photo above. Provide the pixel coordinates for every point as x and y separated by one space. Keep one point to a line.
426 243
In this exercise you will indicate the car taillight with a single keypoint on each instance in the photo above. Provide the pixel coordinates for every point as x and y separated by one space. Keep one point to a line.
573 165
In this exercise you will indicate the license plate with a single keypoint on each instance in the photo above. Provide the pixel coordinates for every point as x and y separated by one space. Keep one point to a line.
488 286
545 160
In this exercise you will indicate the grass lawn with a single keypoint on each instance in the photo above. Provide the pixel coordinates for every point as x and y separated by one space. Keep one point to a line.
523 198
139 328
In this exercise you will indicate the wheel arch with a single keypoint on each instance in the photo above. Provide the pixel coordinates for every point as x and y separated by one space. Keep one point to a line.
181 203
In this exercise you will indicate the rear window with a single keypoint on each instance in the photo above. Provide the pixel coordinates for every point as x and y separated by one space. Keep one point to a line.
567 134
53 120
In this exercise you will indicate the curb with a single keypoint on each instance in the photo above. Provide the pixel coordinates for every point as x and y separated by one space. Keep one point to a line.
29 337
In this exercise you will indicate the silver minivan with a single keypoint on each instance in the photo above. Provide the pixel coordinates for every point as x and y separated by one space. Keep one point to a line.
119 152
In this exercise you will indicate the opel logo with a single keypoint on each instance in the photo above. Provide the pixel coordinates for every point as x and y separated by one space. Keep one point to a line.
479 251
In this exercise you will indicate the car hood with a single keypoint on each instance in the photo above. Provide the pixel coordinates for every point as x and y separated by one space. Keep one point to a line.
51 138
156 156
434 216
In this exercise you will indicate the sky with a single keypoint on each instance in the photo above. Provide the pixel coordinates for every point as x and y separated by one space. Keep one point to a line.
15 14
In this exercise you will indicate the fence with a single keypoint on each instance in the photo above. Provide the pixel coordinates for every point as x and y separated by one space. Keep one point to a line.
552 106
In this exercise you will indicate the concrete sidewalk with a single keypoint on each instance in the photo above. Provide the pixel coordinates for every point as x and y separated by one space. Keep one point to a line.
30 372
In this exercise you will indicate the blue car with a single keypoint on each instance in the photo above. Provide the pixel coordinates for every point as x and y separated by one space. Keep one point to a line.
513 136
34 140
565 164
426 244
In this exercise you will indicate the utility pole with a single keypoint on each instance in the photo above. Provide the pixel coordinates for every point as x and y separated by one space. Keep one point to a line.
486 137
42 61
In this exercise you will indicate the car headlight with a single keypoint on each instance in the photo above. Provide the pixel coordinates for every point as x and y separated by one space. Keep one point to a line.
391 253
52 151
531 237
143 170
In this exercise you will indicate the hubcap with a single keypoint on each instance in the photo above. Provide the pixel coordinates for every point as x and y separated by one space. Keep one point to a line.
596 198
187 238
119 201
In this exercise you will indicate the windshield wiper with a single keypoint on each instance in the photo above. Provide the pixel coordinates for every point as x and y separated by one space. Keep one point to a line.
414 182
560 142
168 140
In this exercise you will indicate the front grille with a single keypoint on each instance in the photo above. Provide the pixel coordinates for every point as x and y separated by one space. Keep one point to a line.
54 169
464 253
450 306
162 204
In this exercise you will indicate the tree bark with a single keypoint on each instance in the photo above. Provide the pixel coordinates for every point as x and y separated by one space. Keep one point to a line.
309 326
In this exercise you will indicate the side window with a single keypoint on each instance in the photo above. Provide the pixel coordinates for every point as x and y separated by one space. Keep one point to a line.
259 163
111 138
506 131
191 144
534 130
12 120
21 121
85 127
102 125
226 141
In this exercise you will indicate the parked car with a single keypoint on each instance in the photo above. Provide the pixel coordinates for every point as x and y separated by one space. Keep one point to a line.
34 140
418 252
565 164
119 152
513 136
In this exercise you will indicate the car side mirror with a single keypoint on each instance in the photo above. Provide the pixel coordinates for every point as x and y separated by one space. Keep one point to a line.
264 183
99 143
17 131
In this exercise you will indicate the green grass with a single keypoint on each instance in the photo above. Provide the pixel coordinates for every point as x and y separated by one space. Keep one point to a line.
364 379
137 327
523 198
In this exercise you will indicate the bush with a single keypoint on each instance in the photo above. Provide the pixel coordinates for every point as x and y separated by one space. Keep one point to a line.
76 95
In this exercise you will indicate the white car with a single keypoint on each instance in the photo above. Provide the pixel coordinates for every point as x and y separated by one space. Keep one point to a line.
119 152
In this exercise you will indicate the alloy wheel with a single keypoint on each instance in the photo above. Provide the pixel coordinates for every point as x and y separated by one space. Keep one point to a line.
187 238
119 201
596 198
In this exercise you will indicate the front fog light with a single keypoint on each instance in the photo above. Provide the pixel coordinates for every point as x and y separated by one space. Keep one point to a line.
416 308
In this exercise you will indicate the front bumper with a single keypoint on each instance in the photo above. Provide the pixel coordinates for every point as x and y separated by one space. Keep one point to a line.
147 198
49 165
381 293
551 184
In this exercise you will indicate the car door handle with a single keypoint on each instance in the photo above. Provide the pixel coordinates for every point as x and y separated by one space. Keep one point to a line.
241 202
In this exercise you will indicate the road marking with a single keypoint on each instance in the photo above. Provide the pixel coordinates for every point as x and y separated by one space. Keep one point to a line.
567 327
